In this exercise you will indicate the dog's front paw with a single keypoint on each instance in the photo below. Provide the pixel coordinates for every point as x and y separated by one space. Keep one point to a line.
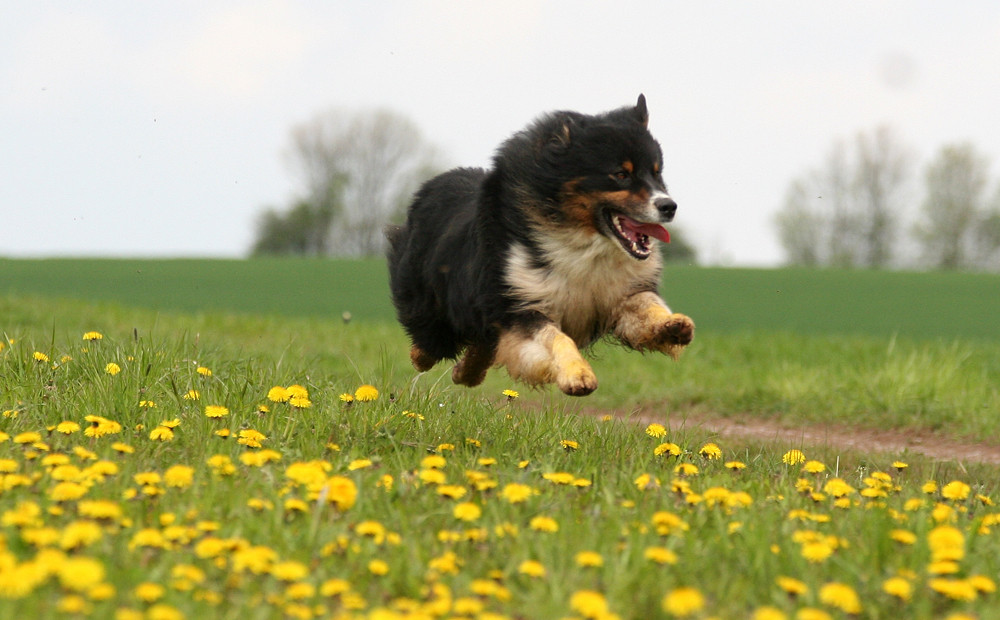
577 379
677 330
674 334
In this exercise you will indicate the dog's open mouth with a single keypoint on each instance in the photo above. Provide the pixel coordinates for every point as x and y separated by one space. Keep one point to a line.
634 236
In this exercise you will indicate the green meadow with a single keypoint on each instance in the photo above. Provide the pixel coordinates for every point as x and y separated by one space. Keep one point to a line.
210 439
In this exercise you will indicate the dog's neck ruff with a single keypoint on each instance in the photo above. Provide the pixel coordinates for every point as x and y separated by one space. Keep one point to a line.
582 279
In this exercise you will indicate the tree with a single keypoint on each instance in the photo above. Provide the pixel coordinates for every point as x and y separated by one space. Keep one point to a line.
881 169
359 171
955 230
845 213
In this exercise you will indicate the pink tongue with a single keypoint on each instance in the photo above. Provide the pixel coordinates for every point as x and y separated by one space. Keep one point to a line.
650 230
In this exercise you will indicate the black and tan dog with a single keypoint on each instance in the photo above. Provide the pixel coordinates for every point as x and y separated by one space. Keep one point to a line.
525 264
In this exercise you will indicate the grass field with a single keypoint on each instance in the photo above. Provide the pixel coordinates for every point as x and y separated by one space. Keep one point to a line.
124 497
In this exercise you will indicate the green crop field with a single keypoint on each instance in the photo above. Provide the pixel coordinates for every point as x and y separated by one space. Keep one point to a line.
208 439
919 305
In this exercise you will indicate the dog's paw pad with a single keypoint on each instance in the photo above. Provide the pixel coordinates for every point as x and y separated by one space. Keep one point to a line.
678 330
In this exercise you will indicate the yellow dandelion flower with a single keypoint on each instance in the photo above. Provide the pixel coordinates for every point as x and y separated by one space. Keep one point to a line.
67 491
300 402
660 555
683 602
510 394
149 592
817 551
179 476
467 511
983 584
366 393
38 356
814 467
589 604
929 488
544 524
472 441
432 476
588 559
811 613
112 369
260 458
645 482
955 589
793 457
956 490
559 477
278 394
192 395
898 587
569 444
838 488
735 465
80 534
203 371
378 567
453 491
359 464
433 461
686 469
531 568
91 336
656 430
161 433
486 461
251 438
946 543
904 537
840 596
216 411
341 492
792 586
289 571
67 427
80 573
767 612
711 451
346 398
516 492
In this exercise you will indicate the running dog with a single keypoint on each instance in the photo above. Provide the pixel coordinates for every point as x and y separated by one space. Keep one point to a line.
553 248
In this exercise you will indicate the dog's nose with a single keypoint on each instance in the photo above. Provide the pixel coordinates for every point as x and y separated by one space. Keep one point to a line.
666 206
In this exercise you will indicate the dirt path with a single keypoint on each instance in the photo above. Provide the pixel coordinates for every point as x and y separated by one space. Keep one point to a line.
926 443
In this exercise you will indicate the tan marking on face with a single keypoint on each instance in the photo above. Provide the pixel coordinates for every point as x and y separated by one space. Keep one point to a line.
628 166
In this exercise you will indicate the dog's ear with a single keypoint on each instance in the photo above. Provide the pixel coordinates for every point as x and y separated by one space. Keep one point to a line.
641 112
563 132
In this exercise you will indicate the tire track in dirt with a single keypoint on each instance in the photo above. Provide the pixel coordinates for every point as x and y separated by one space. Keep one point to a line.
923 442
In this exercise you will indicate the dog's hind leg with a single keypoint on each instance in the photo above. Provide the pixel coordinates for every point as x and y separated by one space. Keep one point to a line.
471 369
422 360
546 355
645 322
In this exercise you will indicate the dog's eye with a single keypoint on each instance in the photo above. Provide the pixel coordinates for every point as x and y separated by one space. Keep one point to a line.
621 175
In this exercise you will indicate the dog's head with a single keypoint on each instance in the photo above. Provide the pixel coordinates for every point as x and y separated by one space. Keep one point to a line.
603 174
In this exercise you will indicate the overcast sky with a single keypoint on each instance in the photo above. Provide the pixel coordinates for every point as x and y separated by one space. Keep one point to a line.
161 128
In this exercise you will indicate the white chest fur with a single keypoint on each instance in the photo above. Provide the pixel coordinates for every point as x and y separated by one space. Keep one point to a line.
585 280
